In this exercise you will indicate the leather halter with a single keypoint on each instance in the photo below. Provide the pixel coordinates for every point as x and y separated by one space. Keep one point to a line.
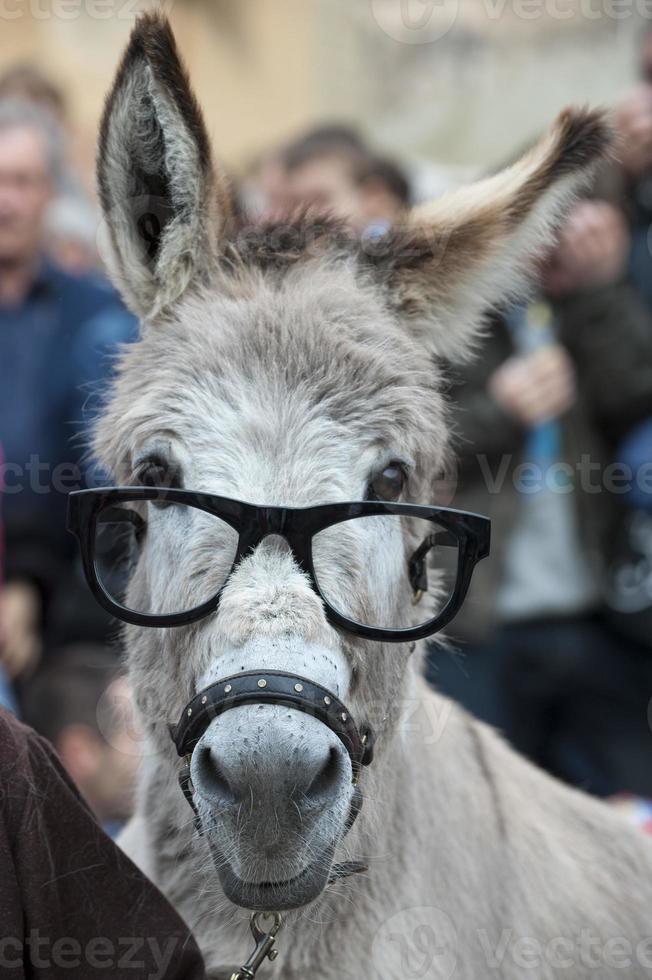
273 687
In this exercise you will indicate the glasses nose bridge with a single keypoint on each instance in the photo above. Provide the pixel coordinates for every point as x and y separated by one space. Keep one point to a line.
272 521
276 522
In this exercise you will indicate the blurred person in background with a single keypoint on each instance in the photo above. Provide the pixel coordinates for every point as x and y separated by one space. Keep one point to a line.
628 181
267 192
71 221
332 170
7 699
538 416
264 192
26 82
367 191
70 234
82 704
57 335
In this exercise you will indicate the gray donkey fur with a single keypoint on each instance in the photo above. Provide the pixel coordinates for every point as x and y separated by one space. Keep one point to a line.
288 368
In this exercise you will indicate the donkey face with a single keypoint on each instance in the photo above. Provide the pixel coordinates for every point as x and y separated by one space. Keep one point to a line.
285 370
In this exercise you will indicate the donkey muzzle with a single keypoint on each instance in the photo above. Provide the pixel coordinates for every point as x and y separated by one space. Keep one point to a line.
227 787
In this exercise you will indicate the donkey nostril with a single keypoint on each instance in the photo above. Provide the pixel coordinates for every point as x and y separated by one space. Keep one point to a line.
211 780
326 780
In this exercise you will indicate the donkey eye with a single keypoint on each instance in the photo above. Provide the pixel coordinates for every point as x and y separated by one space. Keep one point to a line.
389 483
156 472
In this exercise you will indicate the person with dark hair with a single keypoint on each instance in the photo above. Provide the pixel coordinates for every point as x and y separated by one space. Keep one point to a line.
266 191
81 703
337 174
72 905
331 169
331 136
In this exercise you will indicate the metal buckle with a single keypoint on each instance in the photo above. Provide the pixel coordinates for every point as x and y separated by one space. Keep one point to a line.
265 945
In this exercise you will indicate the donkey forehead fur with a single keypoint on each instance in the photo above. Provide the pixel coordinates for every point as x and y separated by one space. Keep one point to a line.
283 389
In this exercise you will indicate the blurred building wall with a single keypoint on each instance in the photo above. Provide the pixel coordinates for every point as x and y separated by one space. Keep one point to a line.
462 81
481 77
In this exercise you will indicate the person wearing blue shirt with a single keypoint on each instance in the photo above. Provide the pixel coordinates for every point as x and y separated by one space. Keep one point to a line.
58 335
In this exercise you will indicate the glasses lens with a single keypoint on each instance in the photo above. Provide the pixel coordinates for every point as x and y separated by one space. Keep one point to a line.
160 558
388 572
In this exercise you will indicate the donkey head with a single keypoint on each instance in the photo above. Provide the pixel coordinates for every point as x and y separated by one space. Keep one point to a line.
285 368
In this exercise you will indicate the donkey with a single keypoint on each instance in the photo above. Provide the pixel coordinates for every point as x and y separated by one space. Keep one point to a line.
278 370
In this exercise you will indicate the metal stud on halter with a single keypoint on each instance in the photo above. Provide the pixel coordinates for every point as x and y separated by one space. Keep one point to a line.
275 687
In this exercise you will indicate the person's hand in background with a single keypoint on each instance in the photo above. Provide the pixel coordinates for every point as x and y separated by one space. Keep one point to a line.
536 387
20 646
591 251
633 121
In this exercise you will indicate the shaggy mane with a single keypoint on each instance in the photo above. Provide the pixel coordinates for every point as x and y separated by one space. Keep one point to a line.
279 243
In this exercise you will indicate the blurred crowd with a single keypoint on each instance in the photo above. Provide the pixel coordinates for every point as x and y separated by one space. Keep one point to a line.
60 327
552 429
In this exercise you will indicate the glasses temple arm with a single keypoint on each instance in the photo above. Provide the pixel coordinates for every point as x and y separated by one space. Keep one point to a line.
417 564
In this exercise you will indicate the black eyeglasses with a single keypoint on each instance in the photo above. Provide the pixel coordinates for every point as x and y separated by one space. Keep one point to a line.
162 557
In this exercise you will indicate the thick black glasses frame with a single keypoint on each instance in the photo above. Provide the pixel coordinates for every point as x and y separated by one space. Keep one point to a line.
298 526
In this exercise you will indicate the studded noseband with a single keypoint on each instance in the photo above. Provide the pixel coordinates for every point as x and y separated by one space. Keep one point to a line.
272 687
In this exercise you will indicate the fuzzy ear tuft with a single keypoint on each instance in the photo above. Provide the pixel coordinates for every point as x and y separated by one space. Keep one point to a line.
475 248
162 205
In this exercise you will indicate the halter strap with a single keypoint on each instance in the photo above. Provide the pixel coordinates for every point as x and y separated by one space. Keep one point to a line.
272 687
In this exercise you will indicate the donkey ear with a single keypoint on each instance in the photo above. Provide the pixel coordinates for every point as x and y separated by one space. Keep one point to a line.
163 207
475 248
